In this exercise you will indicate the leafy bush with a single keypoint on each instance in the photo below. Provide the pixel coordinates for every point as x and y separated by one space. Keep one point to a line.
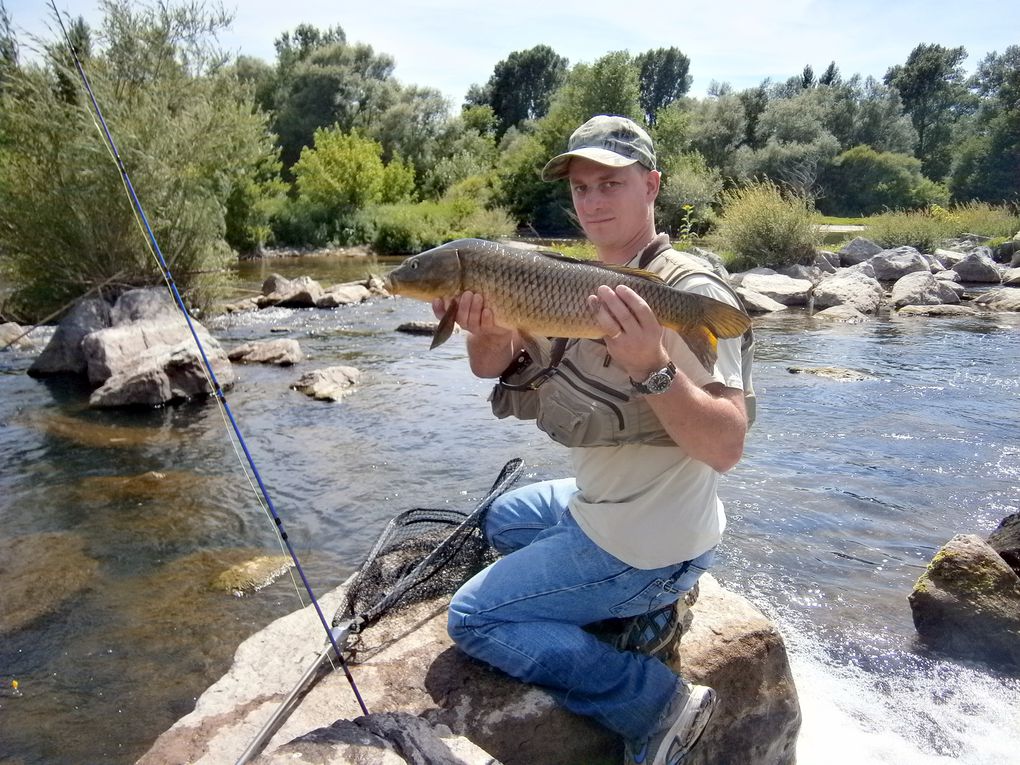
192 141
924 230
986 220
862 181
399 229
689 191
761 225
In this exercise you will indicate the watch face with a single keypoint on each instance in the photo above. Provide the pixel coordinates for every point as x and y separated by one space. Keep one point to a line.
658 382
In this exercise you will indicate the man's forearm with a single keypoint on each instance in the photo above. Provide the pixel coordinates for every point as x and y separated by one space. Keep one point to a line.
489 354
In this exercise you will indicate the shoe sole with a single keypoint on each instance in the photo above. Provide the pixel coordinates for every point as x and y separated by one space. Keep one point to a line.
689 726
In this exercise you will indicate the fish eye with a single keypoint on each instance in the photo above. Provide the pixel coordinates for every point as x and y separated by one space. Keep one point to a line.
414 264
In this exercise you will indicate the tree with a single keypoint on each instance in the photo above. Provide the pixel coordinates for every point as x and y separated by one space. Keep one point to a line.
8 49
323 81
862 181
341 172
987 167
830 76
409 126
931 84
663 76
718 128
189 137
521 86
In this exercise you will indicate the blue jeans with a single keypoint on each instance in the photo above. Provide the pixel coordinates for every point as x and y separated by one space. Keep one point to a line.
525 613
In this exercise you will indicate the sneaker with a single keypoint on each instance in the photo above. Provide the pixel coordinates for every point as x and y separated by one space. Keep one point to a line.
653 634
679 728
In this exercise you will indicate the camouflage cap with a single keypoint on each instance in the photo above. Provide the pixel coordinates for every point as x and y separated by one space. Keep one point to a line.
608 140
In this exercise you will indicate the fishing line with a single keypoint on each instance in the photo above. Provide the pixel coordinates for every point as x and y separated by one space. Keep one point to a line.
153 245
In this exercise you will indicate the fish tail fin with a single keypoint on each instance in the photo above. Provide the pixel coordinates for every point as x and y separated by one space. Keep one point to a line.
703 344
724 320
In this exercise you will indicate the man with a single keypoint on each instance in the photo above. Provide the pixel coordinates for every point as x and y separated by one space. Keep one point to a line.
650 431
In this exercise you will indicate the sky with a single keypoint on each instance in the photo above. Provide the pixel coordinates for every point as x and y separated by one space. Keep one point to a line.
453 44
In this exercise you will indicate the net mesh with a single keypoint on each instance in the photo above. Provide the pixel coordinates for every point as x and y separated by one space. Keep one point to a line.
421 554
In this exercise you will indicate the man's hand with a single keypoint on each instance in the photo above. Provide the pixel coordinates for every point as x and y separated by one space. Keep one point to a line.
634 336
490 346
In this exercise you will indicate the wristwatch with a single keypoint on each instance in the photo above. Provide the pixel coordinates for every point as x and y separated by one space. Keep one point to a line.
657 382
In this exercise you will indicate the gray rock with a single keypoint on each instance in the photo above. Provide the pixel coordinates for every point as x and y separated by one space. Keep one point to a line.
1005 540
849 287
711 261
978 268
13 335
149 304
857 251
63 354
118 350
1011 278
865 268
843 313
812 274
283 352
967 603
937 310
303 292
419 327
330 384
343 294
408 660
839 374
756 303
163 374
778 287
890 265
1002 299
922 288
949 258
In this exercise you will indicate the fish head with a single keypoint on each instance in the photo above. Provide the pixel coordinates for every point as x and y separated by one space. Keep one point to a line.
430 274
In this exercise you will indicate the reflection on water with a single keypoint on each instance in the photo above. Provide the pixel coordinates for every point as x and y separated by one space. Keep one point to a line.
845 492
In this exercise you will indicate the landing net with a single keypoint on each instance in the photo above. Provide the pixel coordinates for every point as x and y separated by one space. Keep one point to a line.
421 554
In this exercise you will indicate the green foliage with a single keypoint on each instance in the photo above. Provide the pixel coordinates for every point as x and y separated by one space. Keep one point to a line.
522 85
862 181
400 229
664 77
995 221
924 229
718 128
931 84
765 226
687 198
188 135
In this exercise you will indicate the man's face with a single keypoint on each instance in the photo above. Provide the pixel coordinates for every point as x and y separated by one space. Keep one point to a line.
613 204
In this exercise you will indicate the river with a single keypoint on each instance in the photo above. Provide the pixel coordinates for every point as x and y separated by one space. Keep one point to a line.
845 492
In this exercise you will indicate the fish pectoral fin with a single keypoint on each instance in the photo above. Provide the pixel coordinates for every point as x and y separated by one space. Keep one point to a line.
559 347
703 344
446 326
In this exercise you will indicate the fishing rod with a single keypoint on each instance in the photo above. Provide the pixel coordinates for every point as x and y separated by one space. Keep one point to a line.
334 636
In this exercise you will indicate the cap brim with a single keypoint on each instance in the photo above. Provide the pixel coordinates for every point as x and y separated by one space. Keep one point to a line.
559 166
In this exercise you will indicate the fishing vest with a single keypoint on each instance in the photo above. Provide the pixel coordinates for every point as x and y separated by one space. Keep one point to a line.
587 400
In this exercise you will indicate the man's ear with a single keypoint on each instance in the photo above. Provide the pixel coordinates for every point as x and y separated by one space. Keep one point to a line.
653 179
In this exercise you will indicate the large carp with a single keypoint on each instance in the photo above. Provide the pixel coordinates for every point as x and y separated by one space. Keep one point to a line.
544 294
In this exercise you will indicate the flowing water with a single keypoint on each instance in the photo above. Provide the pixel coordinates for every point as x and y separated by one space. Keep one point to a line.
846 491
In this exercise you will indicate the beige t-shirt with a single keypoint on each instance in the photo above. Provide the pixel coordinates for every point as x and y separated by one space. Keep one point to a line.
653 506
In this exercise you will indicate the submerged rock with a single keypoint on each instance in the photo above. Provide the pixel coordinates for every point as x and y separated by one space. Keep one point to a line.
967 603
39 573
832 373
252 575
1001 299
1005 540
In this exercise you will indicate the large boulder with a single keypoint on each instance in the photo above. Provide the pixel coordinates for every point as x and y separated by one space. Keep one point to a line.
164 374
852 288
779 287
967 603
1002 299
63 354
13 335
891 265
857 251
406 663
922 288
1005 540
978 268
119 350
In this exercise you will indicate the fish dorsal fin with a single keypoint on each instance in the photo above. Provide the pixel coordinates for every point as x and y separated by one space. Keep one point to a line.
626 270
